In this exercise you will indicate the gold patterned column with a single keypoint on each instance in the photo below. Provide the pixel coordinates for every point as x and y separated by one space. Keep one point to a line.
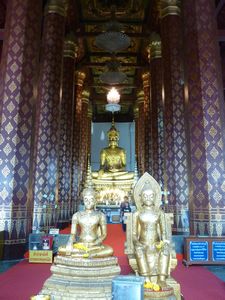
76 166
18 81
176 165
205 103
84 133
136 115
48 113
155 57
141 133
147 122
90 113
66 120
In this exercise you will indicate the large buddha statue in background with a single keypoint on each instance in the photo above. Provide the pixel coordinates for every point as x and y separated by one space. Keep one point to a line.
113 159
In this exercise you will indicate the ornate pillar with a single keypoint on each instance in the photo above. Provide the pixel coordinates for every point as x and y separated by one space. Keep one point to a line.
47 115
155 56
66 119
176 176
17 93
147 122
79 79
89 115
205 118
136 114
141 133
84 136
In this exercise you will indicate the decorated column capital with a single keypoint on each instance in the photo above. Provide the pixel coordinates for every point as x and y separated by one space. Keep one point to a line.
80 77
85 96
140 97
70 47
170 7
56 7
155 47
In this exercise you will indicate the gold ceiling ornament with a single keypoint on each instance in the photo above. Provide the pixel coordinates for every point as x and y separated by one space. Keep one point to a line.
155 47
140 97
146 79
80 77
113 39
113 76
70 46
170 7
57 7
85 96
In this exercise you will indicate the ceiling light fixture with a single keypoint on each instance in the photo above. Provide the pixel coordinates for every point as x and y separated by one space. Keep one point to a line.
113 98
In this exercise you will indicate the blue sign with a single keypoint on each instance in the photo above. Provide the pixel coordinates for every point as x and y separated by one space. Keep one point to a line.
218 251
199 251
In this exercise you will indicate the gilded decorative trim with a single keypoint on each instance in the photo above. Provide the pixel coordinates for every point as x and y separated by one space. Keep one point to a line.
136 111
85 96
155 47
80 77
146 79
56 7
70 49
90 111
170 7
140 97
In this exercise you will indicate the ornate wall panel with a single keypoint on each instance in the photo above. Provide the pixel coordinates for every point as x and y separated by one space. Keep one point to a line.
18 79
206 119
176 178
47 114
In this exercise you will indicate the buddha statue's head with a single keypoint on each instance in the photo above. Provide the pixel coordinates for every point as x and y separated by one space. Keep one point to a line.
113 136
148 194
89 198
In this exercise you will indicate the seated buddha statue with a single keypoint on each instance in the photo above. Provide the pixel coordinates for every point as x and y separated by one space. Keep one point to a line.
151 242
93 231
84 268
113 159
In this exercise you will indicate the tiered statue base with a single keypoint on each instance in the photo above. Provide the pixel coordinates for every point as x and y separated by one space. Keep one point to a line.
74 278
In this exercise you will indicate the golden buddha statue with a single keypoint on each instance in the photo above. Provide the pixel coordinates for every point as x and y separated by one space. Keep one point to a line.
148 240
152 249
113 159
84 269
93 231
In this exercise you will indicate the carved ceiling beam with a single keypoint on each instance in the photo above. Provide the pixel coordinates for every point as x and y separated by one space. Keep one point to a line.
104 21
118 54
98 64
118 86
138 35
